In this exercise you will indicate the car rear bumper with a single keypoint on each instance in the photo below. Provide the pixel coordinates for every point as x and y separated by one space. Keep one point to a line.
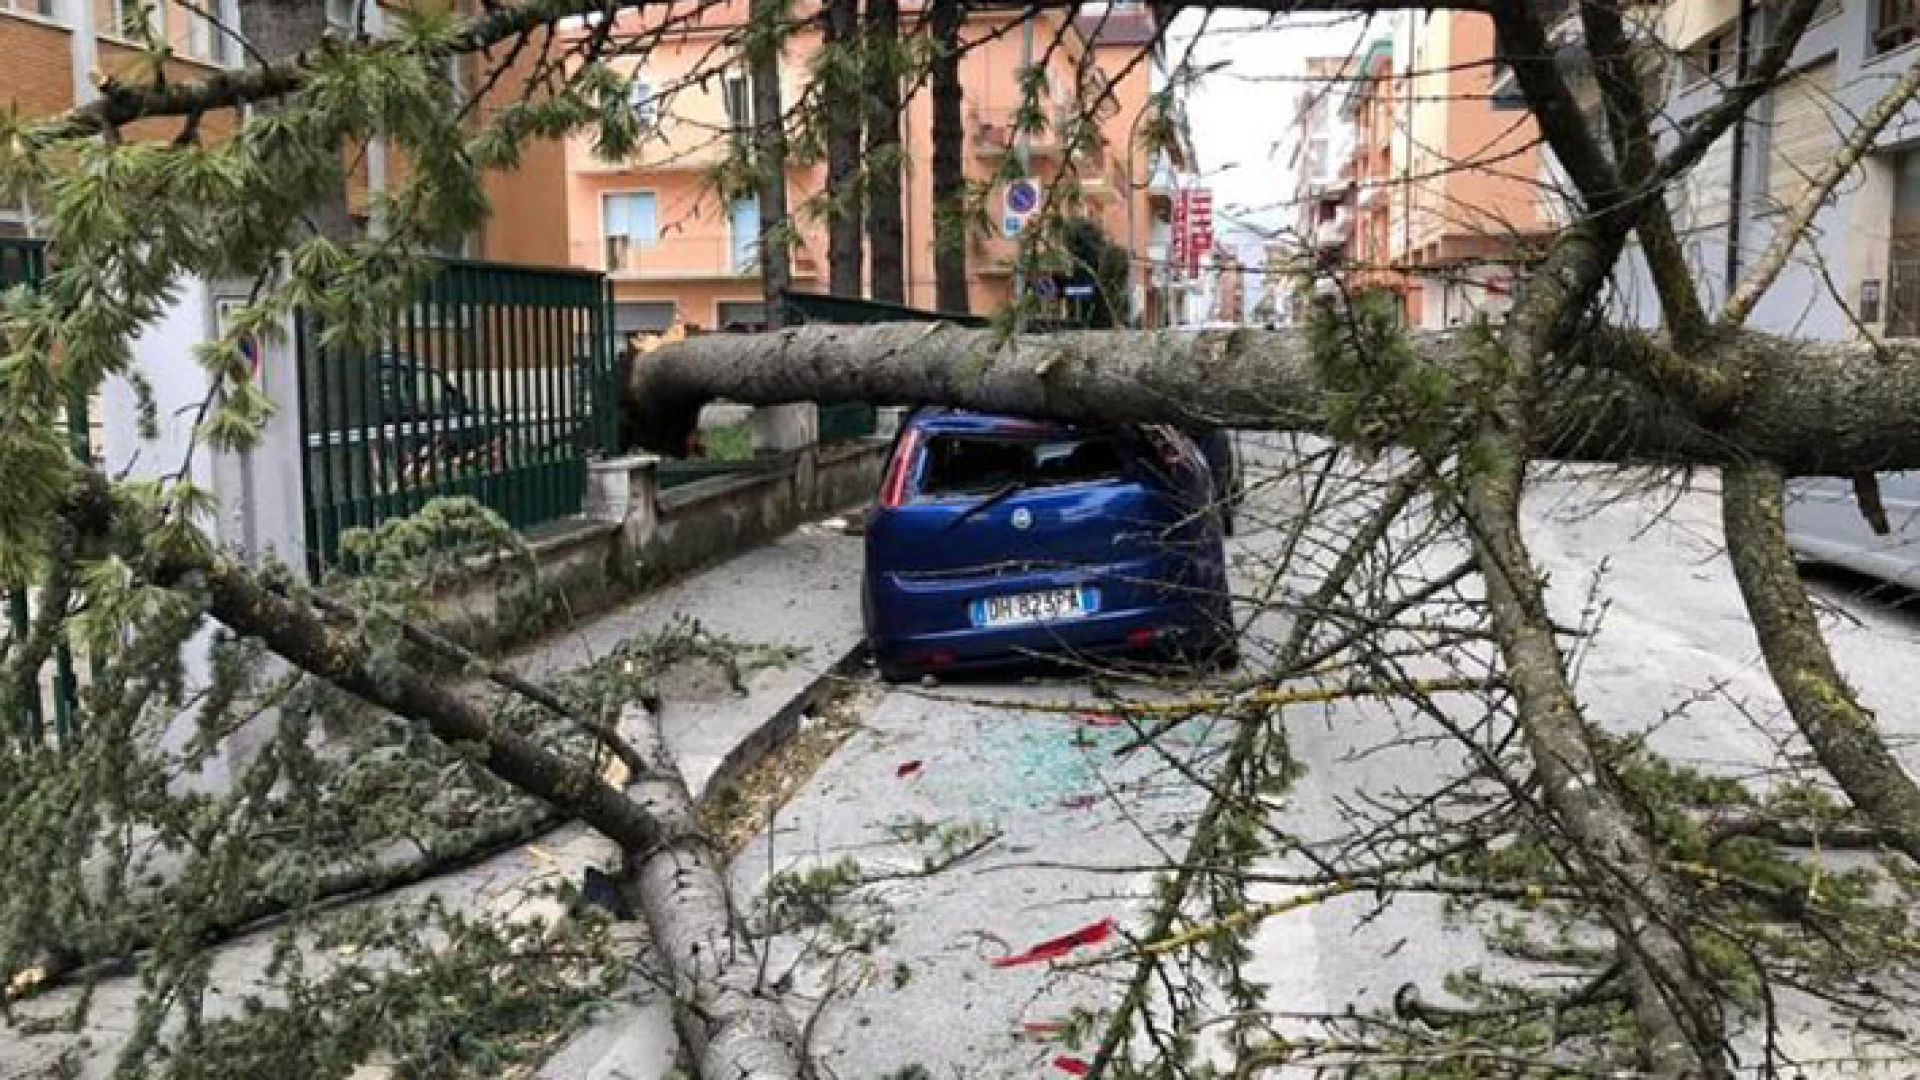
1148 607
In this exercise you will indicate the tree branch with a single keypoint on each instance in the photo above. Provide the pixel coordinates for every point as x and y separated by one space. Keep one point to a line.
1820 185
1844 736
1615 70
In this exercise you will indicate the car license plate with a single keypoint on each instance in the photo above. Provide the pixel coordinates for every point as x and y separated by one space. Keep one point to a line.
1022 609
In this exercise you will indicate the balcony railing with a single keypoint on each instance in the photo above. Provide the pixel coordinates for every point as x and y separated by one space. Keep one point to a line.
695 257
1334 232
995 132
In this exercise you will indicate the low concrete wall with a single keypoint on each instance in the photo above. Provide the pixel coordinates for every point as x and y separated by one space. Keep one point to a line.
635 536
701 523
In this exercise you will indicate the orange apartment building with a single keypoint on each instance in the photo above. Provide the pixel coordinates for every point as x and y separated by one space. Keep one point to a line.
654 221
674 249
54 48
1369 109
1464 200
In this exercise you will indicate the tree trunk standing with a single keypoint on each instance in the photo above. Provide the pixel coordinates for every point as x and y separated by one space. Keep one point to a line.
949 177
770 156
280 30
792 426
840 98
885 224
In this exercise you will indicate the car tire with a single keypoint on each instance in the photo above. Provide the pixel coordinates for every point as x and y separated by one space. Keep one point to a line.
1225 656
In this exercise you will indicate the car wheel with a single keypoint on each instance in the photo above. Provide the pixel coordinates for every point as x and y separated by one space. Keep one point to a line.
1226 656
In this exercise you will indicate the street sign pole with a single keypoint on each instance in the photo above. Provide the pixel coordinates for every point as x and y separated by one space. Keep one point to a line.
1021 146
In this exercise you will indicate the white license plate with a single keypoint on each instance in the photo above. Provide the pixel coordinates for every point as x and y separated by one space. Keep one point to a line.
1022 609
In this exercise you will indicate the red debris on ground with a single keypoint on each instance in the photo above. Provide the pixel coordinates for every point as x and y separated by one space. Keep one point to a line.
1042 1029
1079 802
1100 719
908 768
1054 948
1071 1065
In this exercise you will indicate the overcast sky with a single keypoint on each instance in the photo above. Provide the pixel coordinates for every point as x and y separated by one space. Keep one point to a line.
1241 114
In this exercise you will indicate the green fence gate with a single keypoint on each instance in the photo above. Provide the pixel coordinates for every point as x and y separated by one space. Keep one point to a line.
496 383
42 694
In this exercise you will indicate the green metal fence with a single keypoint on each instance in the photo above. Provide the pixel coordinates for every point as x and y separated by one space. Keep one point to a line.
497 383
854 420
43 694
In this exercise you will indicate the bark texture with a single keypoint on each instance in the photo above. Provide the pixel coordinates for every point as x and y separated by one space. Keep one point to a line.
1675 1006
886 227
949 177
1814 408
1843 734
729 1026
770 157
732 1030
841 113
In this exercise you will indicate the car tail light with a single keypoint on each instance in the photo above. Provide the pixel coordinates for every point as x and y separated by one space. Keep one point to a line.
1143 638
893 490
1174 450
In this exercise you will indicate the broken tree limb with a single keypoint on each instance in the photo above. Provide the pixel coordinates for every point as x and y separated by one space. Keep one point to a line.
734 1033
1622 396
1843 734
729 1025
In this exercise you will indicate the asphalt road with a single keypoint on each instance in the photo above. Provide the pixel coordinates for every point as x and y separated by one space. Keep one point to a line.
914 983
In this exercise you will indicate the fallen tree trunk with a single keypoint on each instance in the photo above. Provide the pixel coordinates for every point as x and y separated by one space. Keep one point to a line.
728 1025
732 1031
1812 408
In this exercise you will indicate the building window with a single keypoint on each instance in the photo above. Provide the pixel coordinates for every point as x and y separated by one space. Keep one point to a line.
207 41
343 17
1897 24
28 7
132 20
1712 56
741 115
741 316
628 223
16 223
744 227
646 111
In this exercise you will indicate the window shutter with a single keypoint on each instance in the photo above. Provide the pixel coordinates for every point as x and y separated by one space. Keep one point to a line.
1709 186
1801 137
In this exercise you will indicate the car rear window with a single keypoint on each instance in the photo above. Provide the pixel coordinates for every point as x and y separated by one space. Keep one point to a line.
979 464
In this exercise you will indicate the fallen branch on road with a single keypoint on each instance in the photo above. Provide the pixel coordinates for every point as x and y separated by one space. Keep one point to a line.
1255 699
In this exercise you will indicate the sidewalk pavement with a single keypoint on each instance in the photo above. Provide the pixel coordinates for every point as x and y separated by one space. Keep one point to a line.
801 591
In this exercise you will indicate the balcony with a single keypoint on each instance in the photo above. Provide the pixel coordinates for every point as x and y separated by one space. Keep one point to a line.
692 258
992 133
690 151
1334 232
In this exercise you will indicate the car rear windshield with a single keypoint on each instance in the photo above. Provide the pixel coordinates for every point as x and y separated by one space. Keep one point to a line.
980 464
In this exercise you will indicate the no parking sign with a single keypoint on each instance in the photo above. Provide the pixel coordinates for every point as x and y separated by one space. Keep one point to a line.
1021 199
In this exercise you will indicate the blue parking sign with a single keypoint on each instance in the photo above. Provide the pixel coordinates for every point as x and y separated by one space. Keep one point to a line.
1023 197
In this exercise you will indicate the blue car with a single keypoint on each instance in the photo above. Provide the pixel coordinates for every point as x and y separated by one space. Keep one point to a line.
996 540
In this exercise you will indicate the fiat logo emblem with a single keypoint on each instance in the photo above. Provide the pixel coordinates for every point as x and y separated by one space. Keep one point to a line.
1022 518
